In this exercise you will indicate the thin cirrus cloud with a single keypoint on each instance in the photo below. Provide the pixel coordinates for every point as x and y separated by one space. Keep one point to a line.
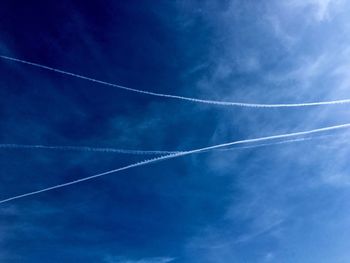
321 9
113 259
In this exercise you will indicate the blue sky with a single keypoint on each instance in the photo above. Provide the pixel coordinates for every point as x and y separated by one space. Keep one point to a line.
278 203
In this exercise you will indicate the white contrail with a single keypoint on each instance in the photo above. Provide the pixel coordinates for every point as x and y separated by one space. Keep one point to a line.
175 155
213 102
138 152
278 142
83 148
144 152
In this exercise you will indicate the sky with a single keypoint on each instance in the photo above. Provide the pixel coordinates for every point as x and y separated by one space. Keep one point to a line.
279 202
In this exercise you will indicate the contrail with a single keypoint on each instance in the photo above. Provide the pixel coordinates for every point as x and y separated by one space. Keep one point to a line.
279 142
212 102
141 152
128 151
175 155
84 149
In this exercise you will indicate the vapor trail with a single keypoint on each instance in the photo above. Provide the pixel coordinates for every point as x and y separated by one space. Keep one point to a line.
139 152
83 148
213 102
278 142
175 155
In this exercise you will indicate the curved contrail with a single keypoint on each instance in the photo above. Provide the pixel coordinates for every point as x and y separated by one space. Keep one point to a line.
175 155
83 149
213 102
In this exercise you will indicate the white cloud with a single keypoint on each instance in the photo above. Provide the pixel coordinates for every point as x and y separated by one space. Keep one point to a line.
286 39
321 9
116 259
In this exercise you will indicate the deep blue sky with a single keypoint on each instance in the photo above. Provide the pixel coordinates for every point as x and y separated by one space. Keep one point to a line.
281 203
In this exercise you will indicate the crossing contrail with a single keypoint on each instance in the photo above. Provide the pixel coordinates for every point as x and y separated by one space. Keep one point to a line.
175 155
196 100
279 142
83 149
12 146
141 152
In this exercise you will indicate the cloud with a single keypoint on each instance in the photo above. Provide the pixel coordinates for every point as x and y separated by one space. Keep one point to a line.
116 259
321 8
260 204
278 29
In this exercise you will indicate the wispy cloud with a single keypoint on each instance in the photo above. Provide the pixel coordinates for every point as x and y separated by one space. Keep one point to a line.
263 204
116 259
321 9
